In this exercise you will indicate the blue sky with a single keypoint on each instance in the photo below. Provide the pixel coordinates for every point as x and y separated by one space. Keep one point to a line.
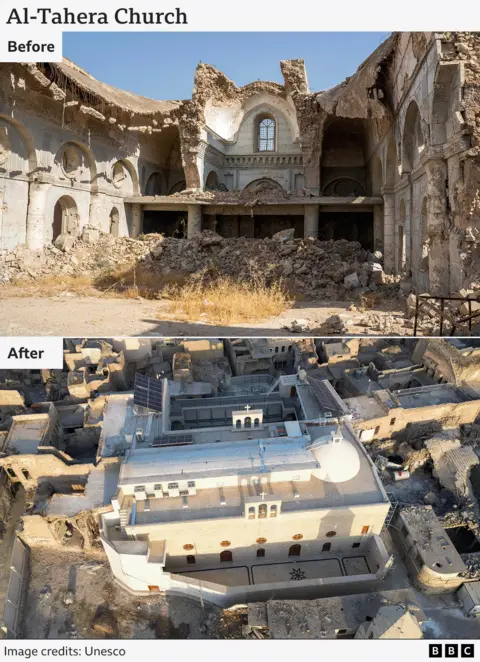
161 65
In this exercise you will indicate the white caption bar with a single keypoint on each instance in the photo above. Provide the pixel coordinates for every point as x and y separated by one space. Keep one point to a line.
236 650
31 352
31 30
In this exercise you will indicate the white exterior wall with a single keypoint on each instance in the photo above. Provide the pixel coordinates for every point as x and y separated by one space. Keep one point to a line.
35 147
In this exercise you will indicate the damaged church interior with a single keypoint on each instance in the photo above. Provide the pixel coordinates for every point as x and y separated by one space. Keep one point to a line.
388 158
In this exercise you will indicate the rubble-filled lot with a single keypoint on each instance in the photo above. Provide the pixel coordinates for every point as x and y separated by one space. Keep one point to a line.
97 278
72 595
305 265
322 279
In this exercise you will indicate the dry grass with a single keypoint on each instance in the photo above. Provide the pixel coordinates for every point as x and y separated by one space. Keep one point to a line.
224 300
49 286
125 282
131 283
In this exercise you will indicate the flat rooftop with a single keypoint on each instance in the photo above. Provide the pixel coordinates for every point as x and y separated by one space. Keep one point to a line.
28 430
364 407
11 399
155 465
257 455
425 396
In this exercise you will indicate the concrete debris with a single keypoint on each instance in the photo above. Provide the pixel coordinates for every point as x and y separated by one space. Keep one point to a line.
327 268
352 281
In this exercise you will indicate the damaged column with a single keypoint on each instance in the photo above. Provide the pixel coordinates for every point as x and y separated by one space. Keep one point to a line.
388 231
378 228
194 220
438 227
98 213
137 220
37 203
310 222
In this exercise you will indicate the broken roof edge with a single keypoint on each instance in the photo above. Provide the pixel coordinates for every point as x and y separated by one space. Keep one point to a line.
336 100
108 94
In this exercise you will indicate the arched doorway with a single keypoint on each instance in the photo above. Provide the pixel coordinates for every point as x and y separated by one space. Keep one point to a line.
178 187
65 217
294 550
226 556
211 183
155 184
114 222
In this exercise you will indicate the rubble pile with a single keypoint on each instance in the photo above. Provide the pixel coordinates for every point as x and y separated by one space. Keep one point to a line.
339 269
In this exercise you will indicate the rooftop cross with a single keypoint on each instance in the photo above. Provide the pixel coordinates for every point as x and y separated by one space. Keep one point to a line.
247 407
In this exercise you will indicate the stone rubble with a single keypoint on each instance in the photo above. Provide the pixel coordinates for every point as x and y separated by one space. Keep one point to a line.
312 267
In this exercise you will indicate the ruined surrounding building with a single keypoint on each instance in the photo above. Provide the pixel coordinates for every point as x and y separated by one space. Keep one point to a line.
389 157
429 554
383 413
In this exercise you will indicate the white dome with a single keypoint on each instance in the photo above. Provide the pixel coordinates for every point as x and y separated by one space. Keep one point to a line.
338 459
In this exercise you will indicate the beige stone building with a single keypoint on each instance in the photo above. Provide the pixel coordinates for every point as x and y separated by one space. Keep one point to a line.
427 551
262 493
389 157
384 413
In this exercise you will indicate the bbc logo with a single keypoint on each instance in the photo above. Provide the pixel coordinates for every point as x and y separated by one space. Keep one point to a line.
451 650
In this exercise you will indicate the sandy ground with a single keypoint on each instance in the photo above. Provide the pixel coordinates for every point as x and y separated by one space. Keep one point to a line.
6 543
70 315
67 588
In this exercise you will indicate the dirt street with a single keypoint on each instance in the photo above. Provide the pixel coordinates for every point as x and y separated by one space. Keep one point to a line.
71 315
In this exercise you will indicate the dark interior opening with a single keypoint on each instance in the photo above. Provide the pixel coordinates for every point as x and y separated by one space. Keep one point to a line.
464 539
353 226
169 223
254 227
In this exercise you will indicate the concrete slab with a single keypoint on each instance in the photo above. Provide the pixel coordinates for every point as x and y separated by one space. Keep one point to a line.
225 576
356 565
285 572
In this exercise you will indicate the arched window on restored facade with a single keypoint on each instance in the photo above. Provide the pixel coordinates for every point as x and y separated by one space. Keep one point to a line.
266 134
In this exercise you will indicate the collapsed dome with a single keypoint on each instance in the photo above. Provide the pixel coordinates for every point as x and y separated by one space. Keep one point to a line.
338 459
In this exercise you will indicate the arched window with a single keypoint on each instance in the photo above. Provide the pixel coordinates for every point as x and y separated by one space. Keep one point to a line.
190 559
238 423
247 422
256 423
266 134
294 550
226 556
262 510
260 553
251 512
326 546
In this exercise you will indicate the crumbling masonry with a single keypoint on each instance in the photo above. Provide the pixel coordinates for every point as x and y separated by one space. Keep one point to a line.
389 158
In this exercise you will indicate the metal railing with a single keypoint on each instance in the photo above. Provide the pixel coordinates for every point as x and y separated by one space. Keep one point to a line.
422 301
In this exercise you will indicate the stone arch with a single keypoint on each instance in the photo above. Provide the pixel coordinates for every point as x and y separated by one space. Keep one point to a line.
391 170
211 183
265 183
89 158
413 141
132 171
155 184
178 187
65 217
114 227
343 187
266 110
27 138
446 117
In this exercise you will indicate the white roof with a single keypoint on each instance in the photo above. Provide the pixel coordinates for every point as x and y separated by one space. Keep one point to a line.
226 458
338 458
